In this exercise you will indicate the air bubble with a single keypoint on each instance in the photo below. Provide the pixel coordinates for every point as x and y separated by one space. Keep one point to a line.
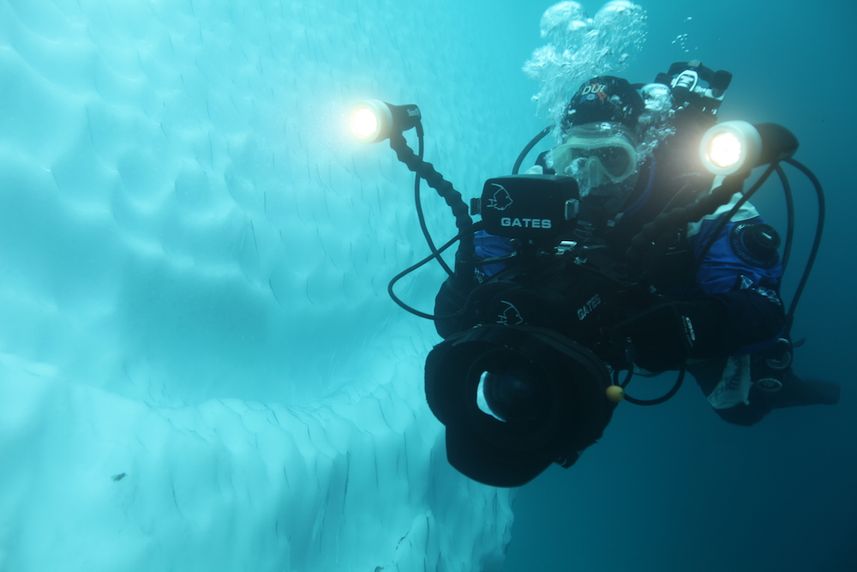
579 47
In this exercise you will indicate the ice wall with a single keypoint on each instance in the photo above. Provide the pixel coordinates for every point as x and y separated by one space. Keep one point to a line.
199 366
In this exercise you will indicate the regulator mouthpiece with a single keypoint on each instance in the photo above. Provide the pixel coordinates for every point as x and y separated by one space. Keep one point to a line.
730 146
374 120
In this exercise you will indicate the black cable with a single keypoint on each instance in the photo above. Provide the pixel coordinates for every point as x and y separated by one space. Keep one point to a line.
466 252
816 243
419 206
624 383
413 268
790 216
495 259
529 147
679 192
662 399
648 236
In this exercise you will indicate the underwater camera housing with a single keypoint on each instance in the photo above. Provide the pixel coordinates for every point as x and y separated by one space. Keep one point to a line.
529 342
565 385
530 338
536 208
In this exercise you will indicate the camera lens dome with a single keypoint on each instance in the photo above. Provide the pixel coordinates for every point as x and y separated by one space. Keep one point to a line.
512 397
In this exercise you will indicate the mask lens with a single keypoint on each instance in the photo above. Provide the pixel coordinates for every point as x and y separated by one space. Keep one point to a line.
616 161
604 147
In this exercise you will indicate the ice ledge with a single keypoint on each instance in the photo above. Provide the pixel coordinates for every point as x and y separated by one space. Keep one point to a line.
360 483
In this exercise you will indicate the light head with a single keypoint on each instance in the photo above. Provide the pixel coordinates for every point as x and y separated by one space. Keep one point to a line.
729 147
374 120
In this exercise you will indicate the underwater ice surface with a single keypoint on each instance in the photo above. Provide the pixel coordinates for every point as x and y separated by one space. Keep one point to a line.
199 365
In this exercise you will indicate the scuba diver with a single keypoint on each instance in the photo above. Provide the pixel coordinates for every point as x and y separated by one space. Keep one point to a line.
629 248
720 311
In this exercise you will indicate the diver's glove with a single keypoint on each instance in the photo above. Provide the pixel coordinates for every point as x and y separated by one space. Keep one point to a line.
450 307
665 335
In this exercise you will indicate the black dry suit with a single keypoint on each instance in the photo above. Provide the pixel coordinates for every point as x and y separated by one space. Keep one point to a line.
717 311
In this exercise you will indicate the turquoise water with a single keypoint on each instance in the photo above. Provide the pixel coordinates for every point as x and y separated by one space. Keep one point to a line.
200 368
675 488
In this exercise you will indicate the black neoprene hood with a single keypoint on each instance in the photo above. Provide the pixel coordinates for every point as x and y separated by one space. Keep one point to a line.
604 99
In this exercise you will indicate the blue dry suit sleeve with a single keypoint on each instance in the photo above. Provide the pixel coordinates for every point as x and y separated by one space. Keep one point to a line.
450 300
749 314
491 246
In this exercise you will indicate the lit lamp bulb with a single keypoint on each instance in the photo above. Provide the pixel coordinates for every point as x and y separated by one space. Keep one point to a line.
730 146
364 124
370 121
725 150
374 120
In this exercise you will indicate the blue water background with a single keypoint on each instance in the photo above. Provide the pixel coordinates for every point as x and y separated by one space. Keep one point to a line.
673 487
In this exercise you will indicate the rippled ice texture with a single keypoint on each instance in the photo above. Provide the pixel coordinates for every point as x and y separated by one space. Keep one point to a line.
199 366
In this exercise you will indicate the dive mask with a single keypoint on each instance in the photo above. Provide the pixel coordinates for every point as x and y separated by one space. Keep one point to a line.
597 154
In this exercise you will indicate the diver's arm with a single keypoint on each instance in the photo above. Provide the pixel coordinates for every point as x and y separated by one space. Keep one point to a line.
742 282
452 296
448 308
736 307
735 322
709 326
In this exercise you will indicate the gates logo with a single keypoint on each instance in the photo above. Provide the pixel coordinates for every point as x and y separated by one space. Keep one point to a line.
510 316
501 200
